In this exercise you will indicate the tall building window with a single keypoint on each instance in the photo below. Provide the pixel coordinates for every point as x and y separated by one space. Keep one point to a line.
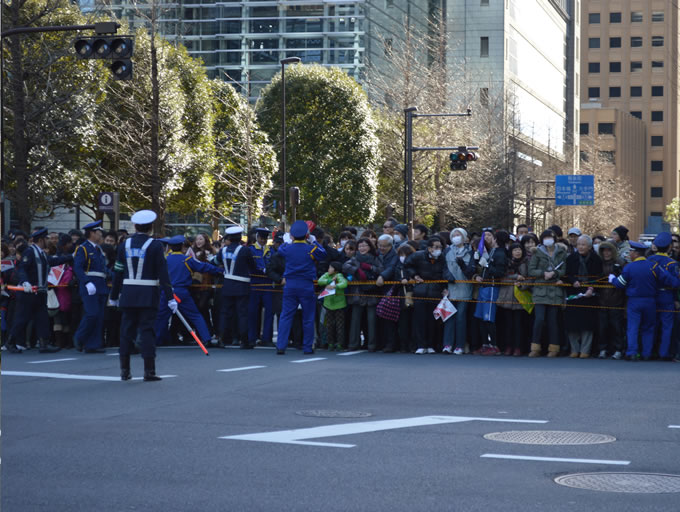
635 91
614 17
615 67
593 42
615 92
605 128
657 90
657 192
484 47
657 140
636 66
657 16
636 113
636 17
657 63
594 18
614 42
657 115
593 92
635 42
657 40
657 165
584 129
484 2
484 96
593 67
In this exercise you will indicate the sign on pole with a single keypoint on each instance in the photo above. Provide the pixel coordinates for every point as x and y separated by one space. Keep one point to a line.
106 203
574 190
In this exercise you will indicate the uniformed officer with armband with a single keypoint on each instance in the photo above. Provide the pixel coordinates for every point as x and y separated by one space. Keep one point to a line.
261 291
31 303
665 299
237 263
139 271
642 279
89 265
180 267
300 256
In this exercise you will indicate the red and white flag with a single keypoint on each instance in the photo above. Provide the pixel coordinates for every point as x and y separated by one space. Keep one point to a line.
444 310
56 273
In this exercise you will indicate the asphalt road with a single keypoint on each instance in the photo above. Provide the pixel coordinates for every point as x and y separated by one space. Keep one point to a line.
93 445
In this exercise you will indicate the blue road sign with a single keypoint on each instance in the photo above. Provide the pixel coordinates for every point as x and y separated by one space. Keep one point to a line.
574 190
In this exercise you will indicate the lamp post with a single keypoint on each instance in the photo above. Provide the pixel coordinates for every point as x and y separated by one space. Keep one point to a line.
288 60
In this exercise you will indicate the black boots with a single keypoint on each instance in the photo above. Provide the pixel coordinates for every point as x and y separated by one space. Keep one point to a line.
12 346
125 368
150 369
45 348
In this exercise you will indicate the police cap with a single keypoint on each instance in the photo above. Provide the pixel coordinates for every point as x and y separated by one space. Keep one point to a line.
96 225
299 229
663 239
143 217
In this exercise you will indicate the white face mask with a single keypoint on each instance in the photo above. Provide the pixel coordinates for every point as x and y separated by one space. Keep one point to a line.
397 238
549 242
596 248
402 258
457 240
436 253
342 243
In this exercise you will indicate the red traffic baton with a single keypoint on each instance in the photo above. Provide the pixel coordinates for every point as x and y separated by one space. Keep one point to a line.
20 288
191 331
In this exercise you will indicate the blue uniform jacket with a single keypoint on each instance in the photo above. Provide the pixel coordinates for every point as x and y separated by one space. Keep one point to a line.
642 278
155 268
301 258
666 295
236 270
90 258
27 268
180 267
261 255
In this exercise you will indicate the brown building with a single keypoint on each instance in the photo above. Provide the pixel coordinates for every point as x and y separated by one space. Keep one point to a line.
629 62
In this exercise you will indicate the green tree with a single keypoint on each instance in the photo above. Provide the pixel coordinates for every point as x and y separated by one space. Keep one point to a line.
333 152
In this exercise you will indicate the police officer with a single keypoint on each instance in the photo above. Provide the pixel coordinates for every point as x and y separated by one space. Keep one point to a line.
139 270
31 304
89 265
238 263
642 279
180 267
300 258
665 302
260 291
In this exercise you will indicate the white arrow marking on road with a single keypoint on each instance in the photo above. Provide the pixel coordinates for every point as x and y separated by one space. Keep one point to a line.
353 353
554 459
673 426
69 376
241 369
309 360
54 360
298 436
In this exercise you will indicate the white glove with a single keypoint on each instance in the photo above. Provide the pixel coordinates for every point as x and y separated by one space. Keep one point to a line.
311 239
172 304
27 287
91 288
612 277
113 303
286 238
477 256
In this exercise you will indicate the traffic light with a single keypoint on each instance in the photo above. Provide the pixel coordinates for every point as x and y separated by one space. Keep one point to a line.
294 196
118 49
460 158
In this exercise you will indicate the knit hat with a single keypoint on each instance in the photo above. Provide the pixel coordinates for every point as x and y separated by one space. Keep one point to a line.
401 229
463 233
557 230
622 231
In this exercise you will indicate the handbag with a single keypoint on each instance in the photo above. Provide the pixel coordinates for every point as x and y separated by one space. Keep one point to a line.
486 304
525 298
388 307
52 302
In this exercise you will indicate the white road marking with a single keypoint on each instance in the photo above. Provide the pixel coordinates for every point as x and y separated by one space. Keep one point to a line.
352 353
309 360
113 354
554 459
241 369
69 376
54 360
299 436
673 426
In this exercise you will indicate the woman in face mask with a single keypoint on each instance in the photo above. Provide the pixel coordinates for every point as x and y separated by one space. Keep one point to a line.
547 267
404 333
426 265
459 267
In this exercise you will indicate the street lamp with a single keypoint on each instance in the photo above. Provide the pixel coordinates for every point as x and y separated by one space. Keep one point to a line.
288 60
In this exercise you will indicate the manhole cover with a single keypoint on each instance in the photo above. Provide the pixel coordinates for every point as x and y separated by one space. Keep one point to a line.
622 482
334 414
549 437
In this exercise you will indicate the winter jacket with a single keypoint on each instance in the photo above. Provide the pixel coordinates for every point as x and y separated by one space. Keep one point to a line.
506 294
613 297
624 250
460 266
492 266
362 267
582 318
421 264
276 266
338 300
540 262
388 262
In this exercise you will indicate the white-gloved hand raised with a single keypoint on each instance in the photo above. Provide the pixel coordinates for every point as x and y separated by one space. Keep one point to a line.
91 288
287 238
311 239
611 278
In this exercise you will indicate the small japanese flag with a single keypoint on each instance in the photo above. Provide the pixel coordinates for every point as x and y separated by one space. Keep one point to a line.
444 310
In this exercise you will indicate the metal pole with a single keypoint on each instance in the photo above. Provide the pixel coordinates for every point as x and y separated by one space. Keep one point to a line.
408 166
284 188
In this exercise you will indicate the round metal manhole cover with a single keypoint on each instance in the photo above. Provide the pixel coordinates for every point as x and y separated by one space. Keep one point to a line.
549 437
648 483
320 413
